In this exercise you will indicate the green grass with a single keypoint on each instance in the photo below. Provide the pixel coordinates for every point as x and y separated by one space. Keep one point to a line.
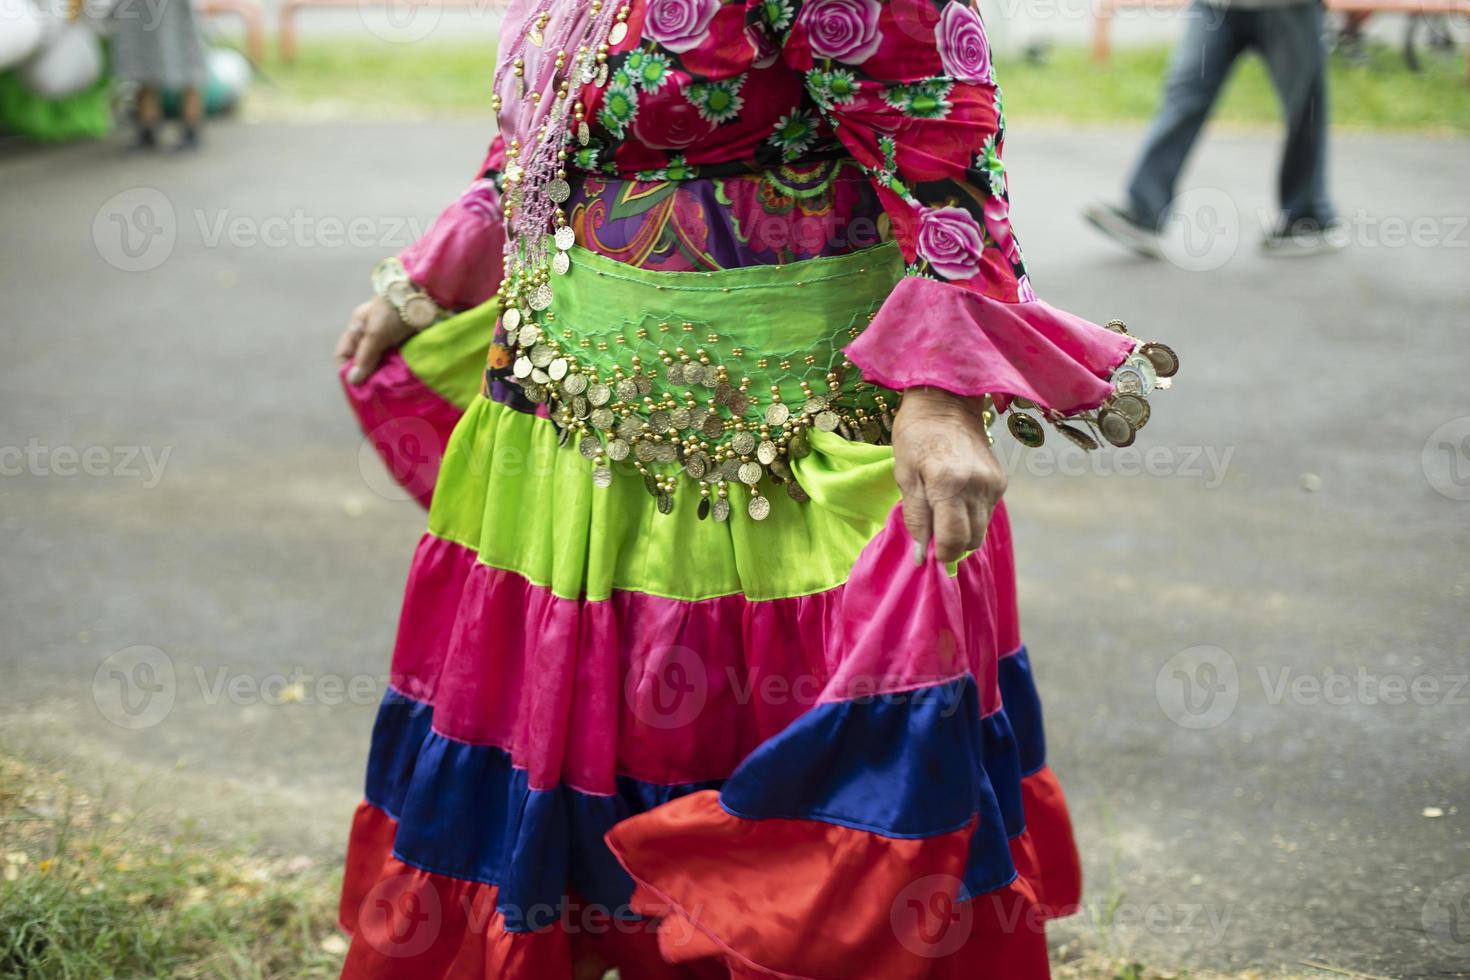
86 893
1378 92
376 79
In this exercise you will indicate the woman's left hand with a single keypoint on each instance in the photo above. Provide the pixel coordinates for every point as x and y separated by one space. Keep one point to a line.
950 479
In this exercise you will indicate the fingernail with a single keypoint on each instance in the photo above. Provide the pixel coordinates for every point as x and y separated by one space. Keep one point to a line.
355 376
919 553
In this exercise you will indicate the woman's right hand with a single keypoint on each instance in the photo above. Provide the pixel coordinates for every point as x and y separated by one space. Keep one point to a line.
374 329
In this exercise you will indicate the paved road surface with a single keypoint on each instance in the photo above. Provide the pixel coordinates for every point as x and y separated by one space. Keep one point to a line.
1234 807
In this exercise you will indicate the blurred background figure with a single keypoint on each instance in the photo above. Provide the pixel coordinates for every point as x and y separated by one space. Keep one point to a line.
1288 36
157 46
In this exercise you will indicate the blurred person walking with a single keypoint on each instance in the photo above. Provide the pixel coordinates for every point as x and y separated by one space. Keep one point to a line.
157 46
1288 36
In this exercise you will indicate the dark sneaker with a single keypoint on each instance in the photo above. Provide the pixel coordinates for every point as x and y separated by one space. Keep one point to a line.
1303 239
188 140
1122 227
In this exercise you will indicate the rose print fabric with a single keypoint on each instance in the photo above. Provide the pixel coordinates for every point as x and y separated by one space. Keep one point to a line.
725 120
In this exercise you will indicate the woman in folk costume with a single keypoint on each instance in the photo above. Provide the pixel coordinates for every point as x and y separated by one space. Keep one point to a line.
709 663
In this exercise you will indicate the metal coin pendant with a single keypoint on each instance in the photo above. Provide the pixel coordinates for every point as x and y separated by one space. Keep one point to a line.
767 452
721 509
730 471
558 190
617 449
602 477
510 319
561 263
602 418
750 473
714 426
602 75
575 384
558 369
565 238
599 394
827 421
1136 408
696 465
1079 438
580 408
759 508
675 373
795 492
799 447
776 414
1027 431
1163 358
650 484
704 508
1115 427
665 502
541 297
739 403
590 447
618 32
584 133
522 367
628 390
529 335
743 443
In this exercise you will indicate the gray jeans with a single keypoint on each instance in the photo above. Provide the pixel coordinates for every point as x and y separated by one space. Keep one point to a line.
1289 39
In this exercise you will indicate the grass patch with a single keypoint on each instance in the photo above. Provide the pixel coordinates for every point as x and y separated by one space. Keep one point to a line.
86 893
358 78
1372 91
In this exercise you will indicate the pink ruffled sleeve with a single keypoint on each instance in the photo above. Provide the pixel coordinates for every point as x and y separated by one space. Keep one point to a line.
909 90
459 261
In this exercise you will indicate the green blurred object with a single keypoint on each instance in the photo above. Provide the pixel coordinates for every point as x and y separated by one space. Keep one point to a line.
229 74
86 115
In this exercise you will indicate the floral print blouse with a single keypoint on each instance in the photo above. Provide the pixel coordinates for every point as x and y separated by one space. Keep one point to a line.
905 88
850 121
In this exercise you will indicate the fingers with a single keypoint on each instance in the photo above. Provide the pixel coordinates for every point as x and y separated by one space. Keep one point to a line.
951 528
979 522
918 518
369 352
347 343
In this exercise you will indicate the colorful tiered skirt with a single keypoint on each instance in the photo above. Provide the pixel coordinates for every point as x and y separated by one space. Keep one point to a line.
625 734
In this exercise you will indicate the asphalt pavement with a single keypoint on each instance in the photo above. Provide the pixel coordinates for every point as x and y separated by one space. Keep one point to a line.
1250 628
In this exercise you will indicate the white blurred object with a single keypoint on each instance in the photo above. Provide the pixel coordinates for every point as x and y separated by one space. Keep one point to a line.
20 32
229 69
68 64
